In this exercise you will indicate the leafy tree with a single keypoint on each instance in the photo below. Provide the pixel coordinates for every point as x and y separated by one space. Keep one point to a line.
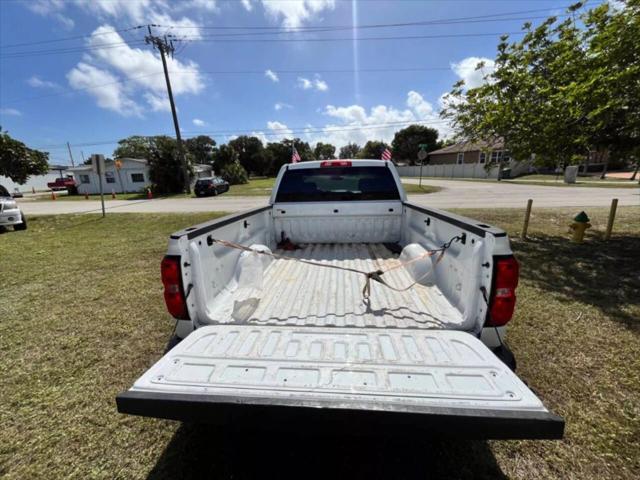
201 149
19 162
324 151
250 153
225 155
135 146
350 150
373 149
165 166
609 91
406 142
234 173
563 92
276 154
303 149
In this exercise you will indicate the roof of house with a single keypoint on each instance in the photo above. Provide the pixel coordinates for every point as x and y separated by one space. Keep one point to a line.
468 146
108 161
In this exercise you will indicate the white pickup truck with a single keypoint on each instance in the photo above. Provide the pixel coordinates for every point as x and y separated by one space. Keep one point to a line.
341 305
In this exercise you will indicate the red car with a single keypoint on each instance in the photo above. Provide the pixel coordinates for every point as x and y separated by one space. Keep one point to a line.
67 183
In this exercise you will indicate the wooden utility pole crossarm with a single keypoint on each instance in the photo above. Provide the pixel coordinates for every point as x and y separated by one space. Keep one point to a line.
166 47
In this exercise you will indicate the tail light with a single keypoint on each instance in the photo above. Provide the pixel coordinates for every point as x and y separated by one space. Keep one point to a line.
173 291
503 296
335 163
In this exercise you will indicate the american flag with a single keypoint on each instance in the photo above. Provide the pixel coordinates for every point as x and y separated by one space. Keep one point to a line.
386 155
295 156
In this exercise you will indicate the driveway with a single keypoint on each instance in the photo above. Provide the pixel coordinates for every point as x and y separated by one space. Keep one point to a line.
454 194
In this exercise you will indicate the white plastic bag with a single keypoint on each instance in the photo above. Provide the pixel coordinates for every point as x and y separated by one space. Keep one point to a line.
419 264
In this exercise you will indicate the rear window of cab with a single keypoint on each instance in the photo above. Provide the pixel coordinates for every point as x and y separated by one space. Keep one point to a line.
327 184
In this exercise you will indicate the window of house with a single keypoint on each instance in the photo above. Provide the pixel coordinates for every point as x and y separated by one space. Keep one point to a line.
84 179
460 158
483 157
496 156
110 177
137 177
506 157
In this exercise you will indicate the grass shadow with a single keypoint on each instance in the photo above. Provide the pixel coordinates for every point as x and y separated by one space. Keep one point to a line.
204 451
601 274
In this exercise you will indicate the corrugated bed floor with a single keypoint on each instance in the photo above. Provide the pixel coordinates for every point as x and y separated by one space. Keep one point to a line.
295 293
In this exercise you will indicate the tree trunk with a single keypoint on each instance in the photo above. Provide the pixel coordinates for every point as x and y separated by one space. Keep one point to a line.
606 164
635 172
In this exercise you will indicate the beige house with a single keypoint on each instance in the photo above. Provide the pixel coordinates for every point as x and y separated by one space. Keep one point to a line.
463 153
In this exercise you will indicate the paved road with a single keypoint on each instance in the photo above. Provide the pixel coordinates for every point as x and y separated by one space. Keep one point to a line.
455 194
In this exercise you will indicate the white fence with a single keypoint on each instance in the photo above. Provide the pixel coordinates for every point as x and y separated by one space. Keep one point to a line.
466 170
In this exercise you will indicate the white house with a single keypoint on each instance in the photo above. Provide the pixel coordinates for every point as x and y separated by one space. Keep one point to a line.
132 176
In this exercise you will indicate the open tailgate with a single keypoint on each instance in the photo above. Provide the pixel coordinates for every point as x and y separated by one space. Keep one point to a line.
357 379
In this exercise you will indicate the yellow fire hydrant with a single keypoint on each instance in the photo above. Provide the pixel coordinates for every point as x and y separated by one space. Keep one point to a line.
579 226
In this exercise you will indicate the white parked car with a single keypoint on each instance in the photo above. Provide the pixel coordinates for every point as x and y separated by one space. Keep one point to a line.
341 305
10 214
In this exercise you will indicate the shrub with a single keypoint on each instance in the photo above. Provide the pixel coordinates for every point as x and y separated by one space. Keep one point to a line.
234 174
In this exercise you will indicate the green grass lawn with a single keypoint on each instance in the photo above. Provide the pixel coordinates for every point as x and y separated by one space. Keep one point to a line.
82 316
255 187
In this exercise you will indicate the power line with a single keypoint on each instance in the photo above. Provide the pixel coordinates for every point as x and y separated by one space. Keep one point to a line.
262 40
66 39
350 39
318 28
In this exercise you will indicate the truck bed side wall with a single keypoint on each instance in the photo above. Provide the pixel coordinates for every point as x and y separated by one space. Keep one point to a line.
465 267
210 267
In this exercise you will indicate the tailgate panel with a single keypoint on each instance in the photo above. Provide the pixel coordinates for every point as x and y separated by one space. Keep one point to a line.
444 374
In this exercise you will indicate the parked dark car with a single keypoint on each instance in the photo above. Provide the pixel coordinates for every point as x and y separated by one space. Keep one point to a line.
210 186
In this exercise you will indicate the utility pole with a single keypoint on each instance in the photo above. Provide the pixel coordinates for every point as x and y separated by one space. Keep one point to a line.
70 155
166 48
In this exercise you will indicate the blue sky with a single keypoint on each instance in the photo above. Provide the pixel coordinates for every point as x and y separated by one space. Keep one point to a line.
101 82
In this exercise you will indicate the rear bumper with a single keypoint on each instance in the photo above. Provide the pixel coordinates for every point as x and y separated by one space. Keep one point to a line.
264 413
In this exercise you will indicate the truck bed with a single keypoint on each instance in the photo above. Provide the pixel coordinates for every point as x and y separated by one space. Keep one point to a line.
299 294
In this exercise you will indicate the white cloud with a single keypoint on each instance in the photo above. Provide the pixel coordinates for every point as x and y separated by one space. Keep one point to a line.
132 11
45 7
350 119
248 6
37 82
316 84
294 13
271 75
135 10
280 105
140 69
199 123
279 130
321 85
67 23
305 83
208 5
466 70
111 96
157 102
10 111
51 8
